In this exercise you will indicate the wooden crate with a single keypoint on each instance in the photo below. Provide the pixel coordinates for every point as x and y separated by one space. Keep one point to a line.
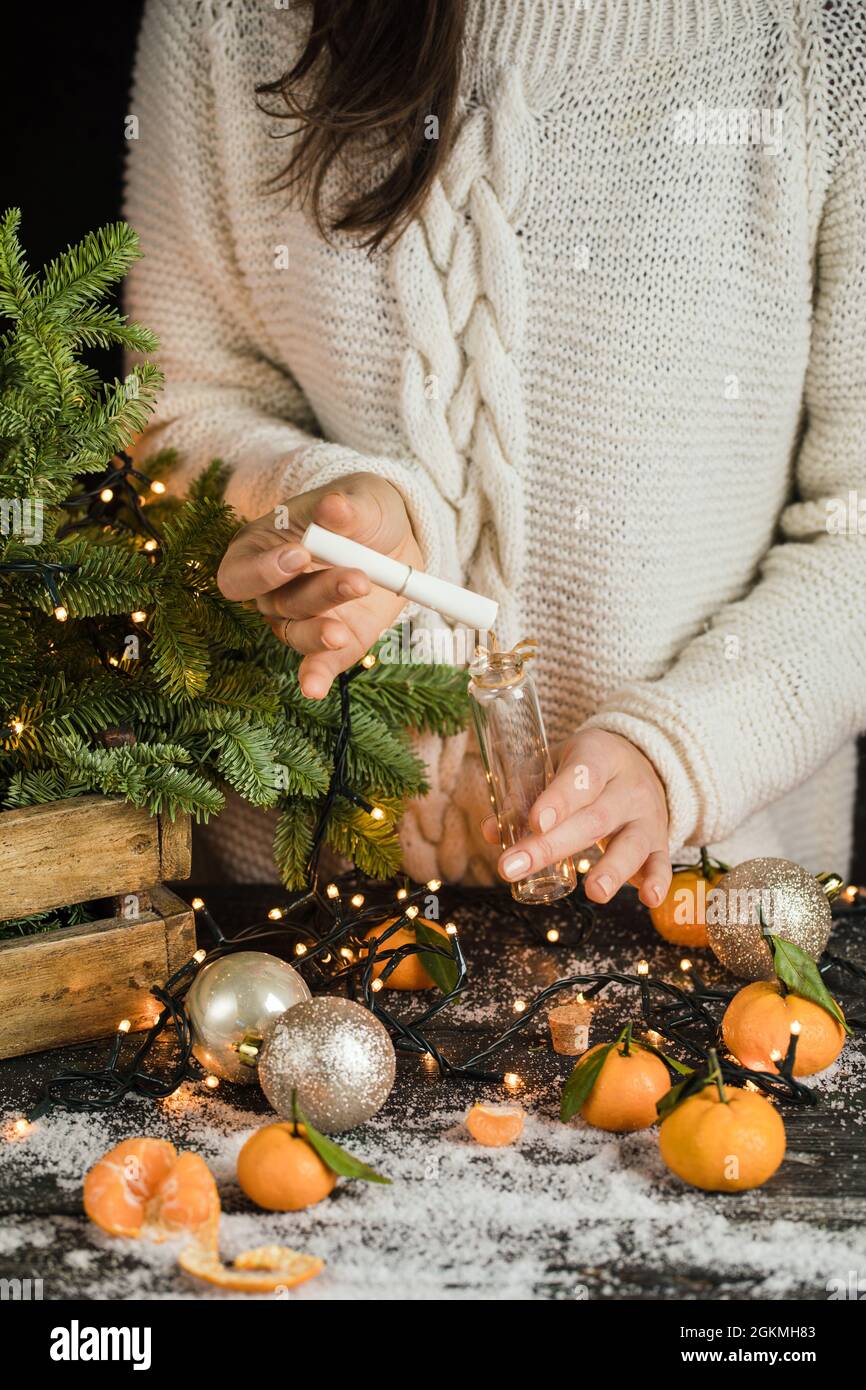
75 984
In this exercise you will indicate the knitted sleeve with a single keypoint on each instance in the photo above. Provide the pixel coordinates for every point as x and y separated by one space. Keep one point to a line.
226 394
778 681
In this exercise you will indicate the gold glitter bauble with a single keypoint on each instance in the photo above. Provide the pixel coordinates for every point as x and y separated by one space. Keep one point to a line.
791 901
336 1055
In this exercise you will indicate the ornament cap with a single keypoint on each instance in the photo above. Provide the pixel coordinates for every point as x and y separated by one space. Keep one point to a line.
831 883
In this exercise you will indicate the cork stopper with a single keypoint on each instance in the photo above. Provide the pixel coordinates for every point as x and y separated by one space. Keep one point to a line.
569 1027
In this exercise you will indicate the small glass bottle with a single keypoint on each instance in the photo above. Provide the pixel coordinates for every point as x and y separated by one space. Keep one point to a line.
517 762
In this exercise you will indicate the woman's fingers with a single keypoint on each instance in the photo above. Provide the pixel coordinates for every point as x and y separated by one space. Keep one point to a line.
314 594
254 564
655 878
624 855
565 838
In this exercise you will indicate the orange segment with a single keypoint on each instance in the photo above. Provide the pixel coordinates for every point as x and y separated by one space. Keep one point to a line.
280 1171
118 1188
264 1270
144 1188
495 1125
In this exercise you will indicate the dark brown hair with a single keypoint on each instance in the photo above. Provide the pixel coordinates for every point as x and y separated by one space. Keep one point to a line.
372 74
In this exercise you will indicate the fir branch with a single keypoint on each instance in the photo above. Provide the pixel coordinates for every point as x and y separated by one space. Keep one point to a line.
372 845
293 841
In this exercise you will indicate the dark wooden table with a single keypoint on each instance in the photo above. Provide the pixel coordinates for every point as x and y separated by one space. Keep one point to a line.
568 1213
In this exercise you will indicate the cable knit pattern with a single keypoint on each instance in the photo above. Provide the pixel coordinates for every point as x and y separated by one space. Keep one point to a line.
619 375
458 274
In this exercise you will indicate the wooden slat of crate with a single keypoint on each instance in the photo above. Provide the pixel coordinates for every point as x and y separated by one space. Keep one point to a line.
84 848
76 984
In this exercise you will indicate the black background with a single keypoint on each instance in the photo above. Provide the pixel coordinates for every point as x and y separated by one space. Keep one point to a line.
65 93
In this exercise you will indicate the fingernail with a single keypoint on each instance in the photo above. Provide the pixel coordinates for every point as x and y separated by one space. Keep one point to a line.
515 865
290 561
547 819
604 884
655 893
346 590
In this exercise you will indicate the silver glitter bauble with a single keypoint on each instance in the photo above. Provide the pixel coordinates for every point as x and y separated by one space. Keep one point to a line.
338 1058
236 998
793 904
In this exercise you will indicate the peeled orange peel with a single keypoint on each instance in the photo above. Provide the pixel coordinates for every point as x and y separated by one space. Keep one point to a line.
145 1190
267 1269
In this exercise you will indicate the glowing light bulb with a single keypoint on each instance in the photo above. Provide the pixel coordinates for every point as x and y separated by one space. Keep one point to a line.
584 865
402 894
346 953
851 892
512 1080
451 928
106 494
61 613
199 956
553 934
332 890
434 884
198 904
795 1027
150 545
376 986
113 661
157 487
775 1055
377 813
685 965
18 726
357 900
519 1006
643 967
430 1062
211 1082
368 661
412 911
275 914
22 1126
300 948
139 616
124 1025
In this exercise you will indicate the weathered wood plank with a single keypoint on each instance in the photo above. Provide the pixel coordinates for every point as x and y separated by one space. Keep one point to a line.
78 983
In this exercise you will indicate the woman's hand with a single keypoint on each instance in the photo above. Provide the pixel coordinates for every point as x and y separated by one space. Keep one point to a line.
604 791
331 615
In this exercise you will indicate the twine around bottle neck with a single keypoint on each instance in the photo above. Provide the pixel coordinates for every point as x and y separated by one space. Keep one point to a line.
502 668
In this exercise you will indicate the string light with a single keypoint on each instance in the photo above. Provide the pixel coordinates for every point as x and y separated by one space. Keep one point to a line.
275 914
584 865
357 900
685 965
412 911
197 904
376 985
512 1080
18 726
157 487
377 813
519 1006
199 956
300 949
402 894
451 928
124 1025
368 661
22 1127
151 545
211 1082
795 1027
139 616
434 884
643 967
332 890
553 934
61 613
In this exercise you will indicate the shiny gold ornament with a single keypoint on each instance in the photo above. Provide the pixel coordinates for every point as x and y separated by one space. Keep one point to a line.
763 896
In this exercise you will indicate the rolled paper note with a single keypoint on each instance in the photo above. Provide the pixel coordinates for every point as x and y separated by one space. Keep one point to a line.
569 1027
461 605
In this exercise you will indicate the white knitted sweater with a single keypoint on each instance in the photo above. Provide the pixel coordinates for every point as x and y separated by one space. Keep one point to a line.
617 369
